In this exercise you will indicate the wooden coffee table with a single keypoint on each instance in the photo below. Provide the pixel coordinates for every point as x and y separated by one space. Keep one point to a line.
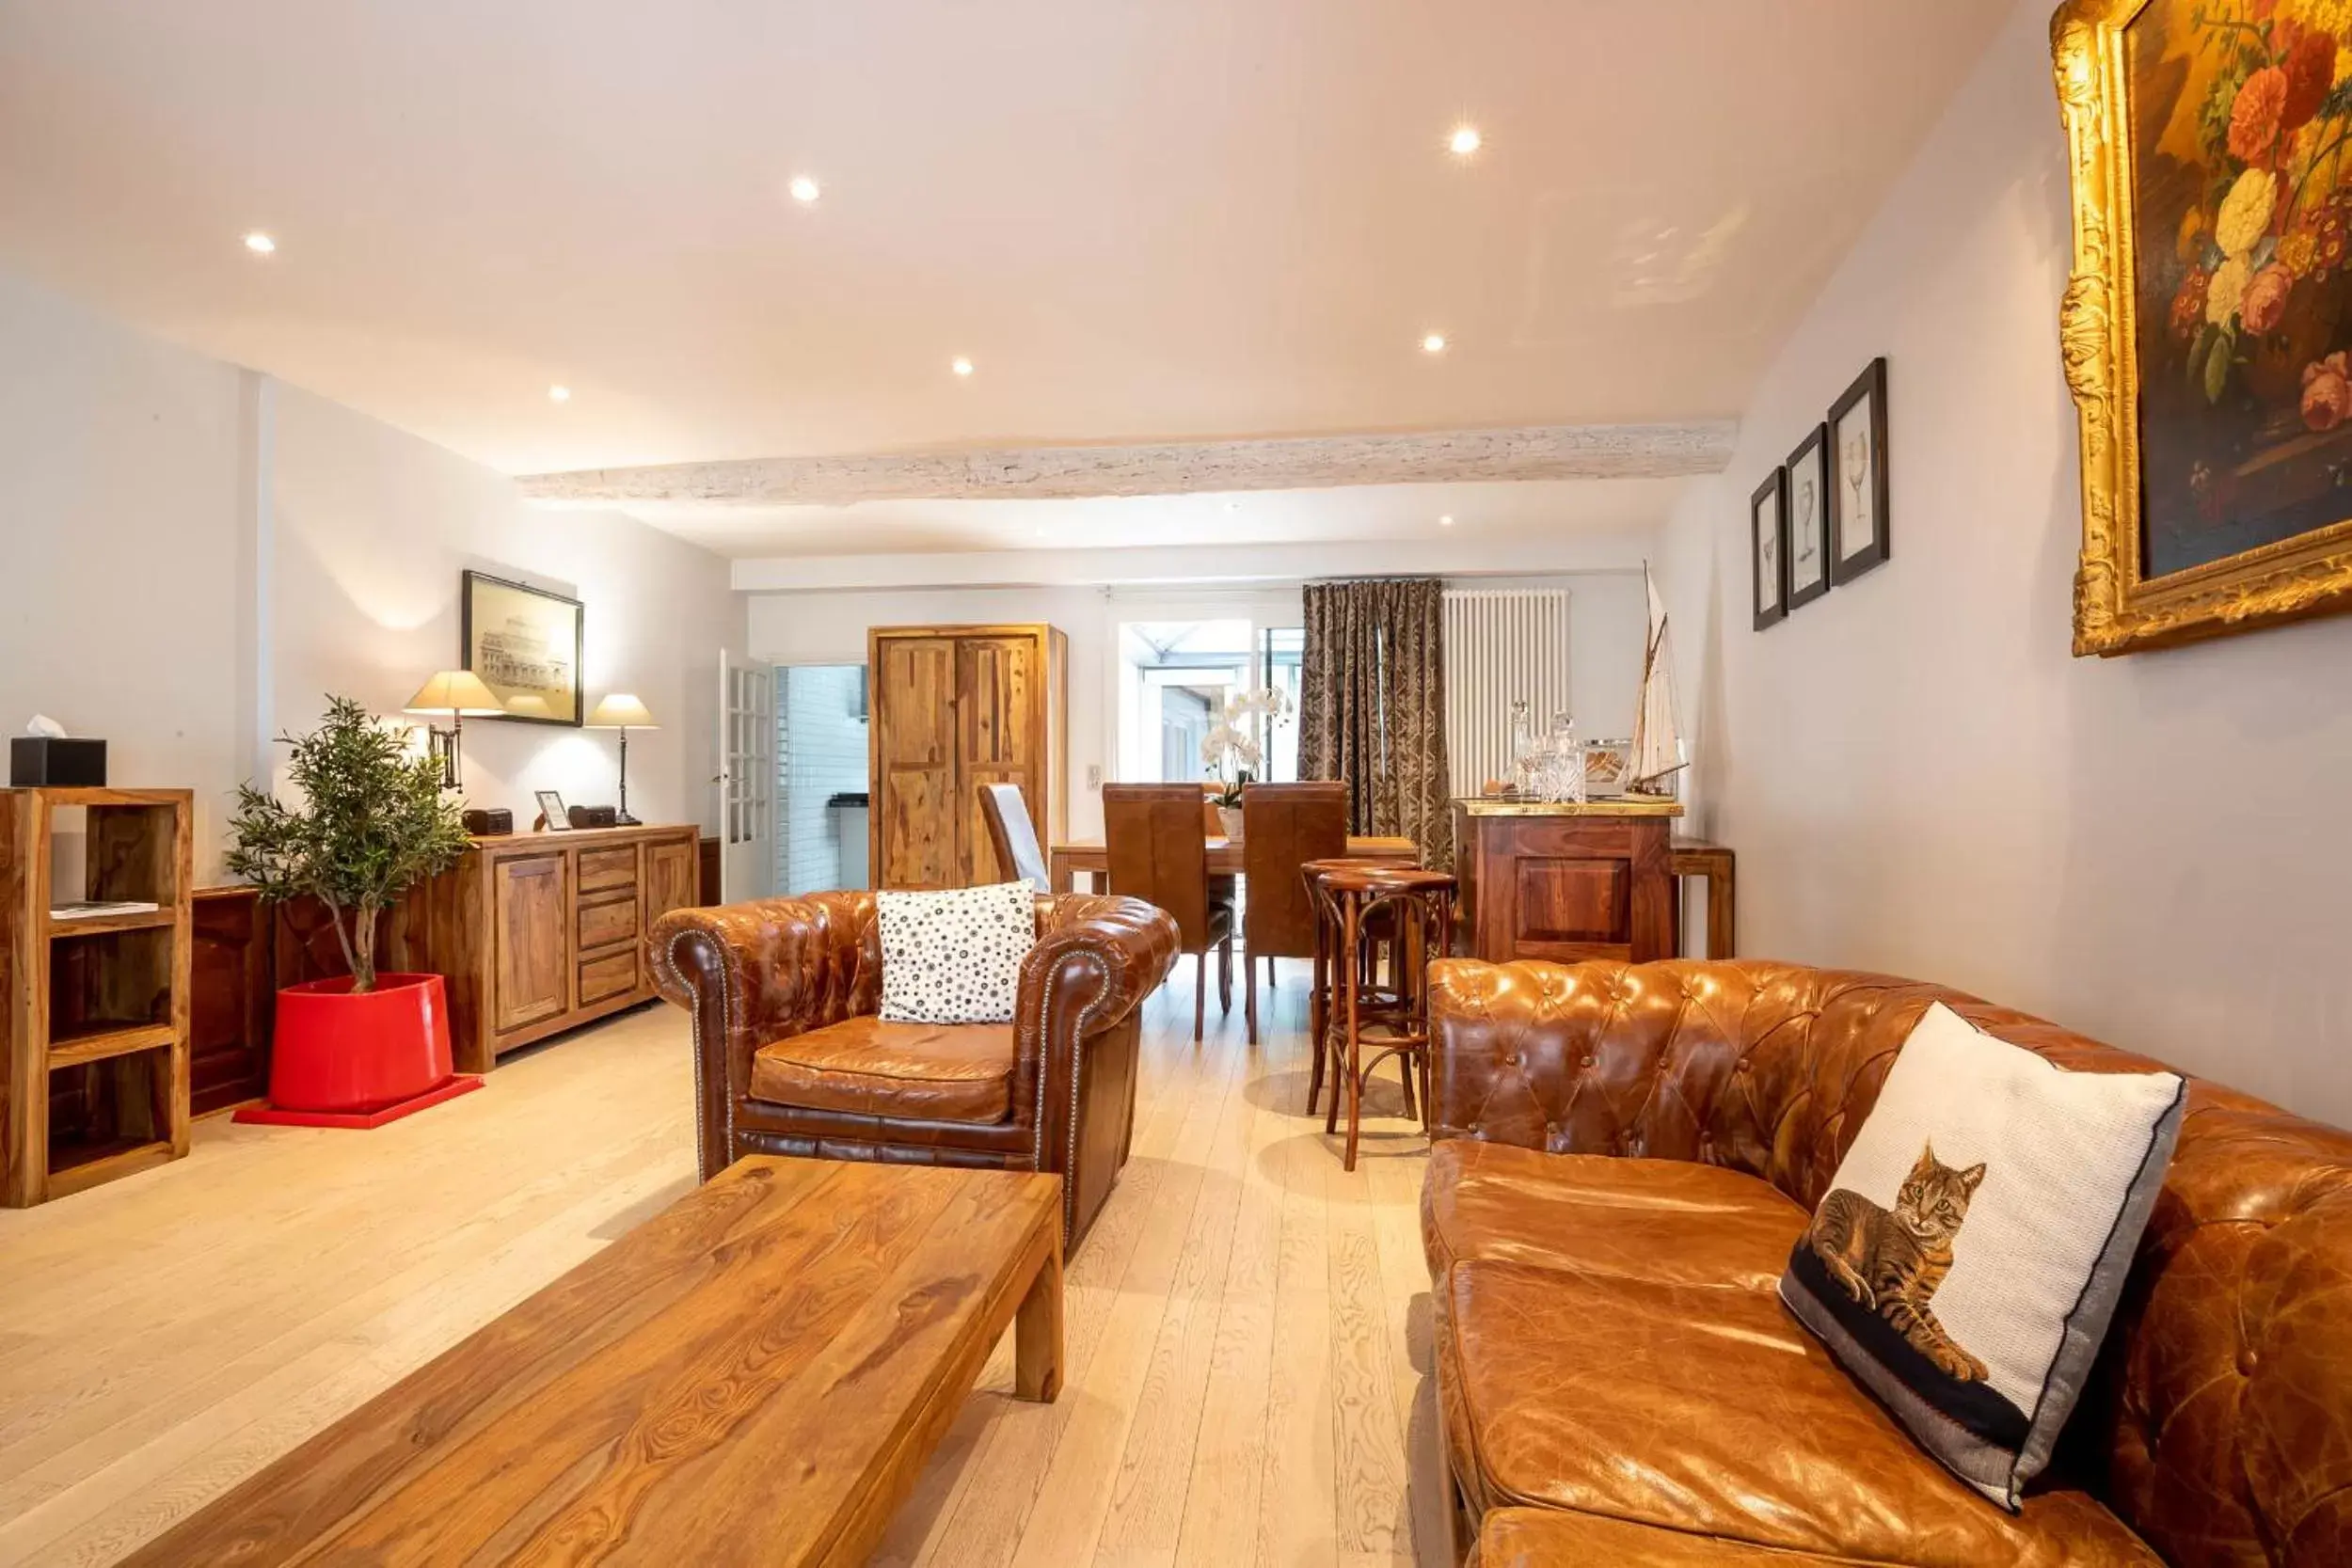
755 1376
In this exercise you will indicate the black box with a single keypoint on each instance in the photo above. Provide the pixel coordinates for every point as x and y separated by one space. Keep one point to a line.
593 816
55 762
489 824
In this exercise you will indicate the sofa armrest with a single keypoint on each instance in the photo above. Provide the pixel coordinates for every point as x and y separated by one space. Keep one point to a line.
1096 958
748 973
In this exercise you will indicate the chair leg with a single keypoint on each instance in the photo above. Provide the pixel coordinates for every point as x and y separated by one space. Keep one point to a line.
1225 976
1199 995
1249 998
1272 980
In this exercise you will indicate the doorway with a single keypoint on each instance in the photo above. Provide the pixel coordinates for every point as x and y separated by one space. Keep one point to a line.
820 777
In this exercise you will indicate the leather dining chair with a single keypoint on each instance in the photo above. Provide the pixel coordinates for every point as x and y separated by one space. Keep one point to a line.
1015 835
1284 827
1157 849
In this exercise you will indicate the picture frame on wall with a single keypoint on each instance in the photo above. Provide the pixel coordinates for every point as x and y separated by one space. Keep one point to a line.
1857 492
526 644
1809 519
1767 549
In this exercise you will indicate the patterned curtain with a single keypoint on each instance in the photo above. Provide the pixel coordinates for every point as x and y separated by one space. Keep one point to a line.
1372 707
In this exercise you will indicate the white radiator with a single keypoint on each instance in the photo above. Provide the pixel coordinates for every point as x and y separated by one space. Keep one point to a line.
1501 645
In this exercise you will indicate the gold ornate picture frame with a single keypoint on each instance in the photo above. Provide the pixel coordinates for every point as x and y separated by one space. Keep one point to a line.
2161 568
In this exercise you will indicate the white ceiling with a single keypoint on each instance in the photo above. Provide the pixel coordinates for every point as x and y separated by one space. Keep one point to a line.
1182 218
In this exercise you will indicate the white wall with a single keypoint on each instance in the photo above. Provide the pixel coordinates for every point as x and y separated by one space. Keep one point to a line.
191 557
1916 774
372 528
120 517
1607 616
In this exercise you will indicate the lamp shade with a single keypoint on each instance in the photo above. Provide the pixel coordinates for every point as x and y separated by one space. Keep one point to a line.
620 711
455 691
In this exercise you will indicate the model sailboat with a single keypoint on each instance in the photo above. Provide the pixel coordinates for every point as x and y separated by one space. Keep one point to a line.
1657 748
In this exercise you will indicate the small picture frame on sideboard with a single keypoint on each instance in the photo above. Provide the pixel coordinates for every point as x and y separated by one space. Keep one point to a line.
553 816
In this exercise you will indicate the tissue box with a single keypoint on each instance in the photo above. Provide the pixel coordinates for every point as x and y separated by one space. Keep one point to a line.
55 762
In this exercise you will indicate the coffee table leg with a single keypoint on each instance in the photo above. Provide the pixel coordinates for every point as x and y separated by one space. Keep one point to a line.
1037 1331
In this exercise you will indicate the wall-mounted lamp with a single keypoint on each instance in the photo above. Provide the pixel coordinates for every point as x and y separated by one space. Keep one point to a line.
457 693
620 711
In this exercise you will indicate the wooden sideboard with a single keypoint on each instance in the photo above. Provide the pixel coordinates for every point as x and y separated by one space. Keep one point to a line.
1568 881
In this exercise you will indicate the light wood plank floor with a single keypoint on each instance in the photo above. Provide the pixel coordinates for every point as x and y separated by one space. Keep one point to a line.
1246 1378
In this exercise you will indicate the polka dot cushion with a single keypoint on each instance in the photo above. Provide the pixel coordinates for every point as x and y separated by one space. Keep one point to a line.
955 957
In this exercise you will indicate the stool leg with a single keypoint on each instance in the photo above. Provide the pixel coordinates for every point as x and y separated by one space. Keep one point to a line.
1199 995
1353 1061
1249 996
1316 1008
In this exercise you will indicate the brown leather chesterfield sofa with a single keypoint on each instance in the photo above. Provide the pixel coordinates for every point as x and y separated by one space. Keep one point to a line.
790 1058
1627 1153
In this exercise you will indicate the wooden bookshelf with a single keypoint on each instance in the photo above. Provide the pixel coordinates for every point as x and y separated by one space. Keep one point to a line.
94 1036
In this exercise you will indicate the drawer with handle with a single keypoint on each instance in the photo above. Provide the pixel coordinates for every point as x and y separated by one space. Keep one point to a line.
602 870
611 975
608 920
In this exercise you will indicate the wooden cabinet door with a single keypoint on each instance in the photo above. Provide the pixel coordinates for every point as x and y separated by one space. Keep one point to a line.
672 872
999 739
531 962
915 809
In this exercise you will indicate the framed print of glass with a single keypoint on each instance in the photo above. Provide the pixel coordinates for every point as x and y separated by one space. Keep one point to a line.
1857 491
1767 549
2206 331
1809 519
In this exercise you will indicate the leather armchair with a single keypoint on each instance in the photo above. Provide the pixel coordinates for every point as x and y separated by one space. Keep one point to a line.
790 1058
1627 1153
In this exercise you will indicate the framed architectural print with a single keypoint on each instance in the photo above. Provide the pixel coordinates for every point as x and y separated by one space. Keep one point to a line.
525 643
2206 331
1809 519
1857 490
1767 549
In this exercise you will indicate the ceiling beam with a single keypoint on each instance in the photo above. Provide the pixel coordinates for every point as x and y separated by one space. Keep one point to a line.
1168 469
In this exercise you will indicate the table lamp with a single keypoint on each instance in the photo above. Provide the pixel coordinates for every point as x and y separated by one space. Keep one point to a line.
457 693
620 711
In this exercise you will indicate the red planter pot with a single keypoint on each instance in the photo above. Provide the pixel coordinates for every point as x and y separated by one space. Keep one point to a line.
340 1052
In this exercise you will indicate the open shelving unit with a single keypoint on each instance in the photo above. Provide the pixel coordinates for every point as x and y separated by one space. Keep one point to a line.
94 1037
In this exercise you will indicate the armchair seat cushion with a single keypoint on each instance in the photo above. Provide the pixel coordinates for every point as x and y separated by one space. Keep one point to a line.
867 1066
1713 1413
1673 1221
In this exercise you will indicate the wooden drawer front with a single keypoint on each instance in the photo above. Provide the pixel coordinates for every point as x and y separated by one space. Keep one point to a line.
607 977
604 923
601 870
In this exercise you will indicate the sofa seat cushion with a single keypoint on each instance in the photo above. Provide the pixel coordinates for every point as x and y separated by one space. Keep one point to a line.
1545 1538
1670 1220
1714 1413
906 1071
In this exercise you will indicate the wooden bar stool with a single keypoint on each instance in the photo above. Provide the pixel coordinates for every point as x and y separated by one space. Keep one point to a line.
1358 1007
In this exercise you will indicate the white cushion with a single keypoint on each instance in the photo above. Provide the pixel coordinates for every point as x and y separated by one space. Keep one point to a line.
955 957
2048 1175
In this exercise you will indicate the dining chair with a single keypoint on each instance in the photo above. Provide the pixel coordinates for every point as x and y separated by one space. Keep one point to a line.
1284 827
1156 848
1015 835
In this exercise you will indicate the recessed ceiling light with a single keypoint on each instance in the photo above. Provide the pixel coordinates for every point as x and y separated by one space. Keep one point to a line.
1463 141
260 243
1232 506
961 366
803 189
1434 344
559 394
1446 521
1040 530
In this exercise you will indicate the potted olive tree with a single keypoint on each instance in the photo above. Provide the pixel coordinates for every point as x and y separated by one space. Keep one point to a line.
372 822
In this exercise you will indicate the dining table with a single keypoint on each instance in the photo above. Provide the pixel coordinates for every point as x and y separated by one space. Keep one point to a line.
1066 862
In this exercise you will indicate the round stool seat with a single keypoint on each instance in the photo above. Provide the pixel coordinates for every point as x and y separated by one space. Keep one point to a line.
1372 876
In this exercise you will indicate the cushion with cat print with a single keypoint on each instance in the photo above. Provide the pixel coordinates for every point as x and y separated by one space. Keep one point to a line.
954 957
1974 1240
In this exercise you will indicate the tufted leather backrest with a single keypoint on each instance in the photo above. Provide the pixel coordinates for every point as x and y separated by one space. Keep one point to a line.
2220 1423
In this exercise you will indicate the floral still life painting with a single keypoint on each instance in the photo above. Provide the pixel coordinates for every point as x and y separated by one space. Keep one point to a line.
2213 191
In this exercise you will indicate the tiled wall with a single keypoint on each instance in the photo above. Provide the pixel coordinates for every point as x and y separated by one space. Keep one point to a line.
820 750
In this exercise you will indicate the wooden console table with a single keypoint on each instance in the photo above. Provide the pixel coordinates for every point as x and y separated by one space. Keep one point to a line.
755 1376
1567 880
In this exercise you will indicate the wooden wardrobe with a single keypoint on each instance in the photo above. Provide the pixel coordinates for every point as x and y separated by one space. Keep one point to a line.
952 708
